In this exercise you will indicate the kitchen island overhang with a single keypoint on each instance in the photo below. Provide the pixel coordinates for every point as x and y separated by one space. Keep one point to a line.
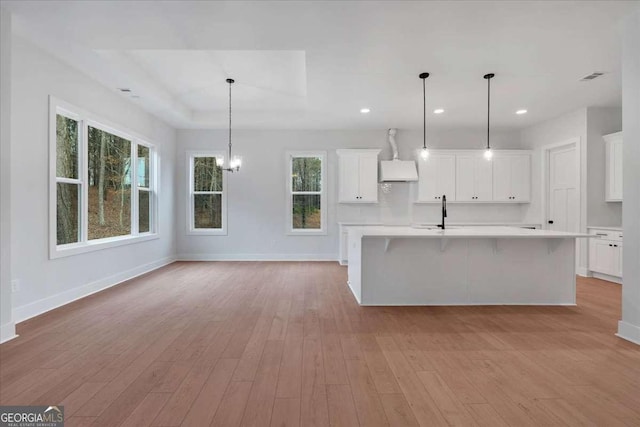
462 266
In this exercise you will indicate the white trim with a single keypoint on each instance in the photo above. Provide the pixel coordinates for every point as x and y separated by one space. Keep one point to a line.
473 304
546 151
100 244
583 272
41 306
7 332
191 230
257 257
607 277
290 231
629 332
86 119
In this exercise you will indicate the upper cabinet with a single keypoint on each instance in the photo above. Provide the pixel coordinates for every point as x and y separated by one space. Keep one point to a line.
511 177
466 176
474 178
437 177
613 174
358 176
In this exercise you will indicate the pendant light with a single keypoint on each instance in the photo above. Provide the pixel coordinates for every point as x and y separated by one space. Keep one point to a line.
424 153
488 154
234 161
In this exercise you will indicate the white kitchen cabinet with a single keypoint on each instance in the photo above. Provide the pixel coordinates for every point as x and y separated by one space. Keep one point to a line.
605 254
358 176
437 177
511 177
613 173
474 178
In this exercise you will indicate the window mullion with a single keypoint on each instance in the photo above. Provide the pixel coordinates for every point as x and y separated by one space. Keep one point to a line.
83 171
153 212
133 192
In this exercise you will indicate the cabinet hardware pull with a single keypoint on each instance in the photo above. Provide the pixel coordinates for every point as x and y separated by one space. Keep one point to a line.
601 234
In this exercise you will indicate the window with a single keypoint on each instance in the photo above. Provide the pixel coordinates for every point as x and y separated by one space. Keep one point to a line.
306 207
103 184
207 192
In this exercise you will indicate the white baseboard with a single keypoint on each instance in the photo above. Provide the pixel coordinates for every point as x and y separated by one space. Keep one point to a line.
629 332
583 272
7 332
607 277
38 307
257 257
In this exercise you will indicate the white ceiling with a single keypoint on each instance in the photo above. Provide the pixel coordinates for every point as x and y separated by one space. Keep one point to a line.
315 64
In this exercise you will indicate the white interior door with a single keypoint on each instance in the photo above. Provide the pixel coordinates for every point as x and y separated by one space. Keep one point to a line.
563 192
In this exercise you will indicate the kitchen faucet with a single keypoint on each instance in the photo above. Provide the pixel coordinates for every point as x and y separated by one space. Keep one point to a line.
444 210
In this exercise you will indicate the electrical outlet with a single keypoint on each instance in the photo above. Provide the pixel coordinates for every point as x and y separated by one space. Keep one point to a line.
15 285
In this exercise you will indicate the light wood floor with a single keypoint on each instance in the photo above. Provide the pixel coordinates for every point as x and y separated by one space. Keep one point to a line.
262 344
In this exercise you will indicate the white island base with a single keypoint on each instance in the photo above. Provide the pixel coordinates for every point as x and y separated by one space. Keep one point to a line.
465 266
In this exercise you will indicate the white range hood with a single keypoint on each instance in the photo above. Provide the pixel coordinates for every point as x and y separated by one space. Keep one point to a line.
397 170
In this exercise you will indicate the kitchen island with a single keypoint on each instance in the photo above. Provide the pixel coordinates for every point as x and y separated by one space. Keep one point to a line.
461 266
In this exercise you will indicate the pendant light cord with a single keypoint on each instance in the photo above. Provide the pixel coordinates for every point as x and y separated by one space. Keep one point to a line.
424 114
488 112
424 76
489 77
230 81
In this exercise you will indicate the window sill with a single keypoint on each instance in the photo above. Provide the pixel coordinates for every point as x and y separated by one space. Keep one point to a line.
98 245
207 232
306 232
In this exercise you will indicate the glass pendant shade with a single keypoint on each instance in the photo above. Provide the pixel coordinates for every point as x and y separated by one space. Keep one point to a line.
235 162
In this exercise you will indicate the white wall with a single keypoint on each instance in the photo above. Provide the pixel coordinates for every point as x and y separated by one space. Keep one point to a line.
7 329
257 194
564 128
47 283
629 326
600 121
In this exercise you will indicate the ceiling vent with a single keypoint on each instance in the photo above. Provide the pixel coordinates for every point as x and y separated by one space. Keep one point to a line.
591 76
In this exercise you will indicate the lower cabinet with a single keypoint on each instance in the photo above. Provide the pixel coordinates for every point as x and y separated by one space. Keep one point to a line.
605 253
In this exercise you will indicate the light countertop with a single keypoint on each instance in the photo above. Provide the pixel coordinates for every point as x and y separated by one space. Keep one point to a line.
605 228
461 232
452 223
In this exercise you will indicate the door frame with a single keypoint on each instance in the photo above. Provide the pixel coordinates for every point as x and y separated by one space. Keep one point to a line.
545 182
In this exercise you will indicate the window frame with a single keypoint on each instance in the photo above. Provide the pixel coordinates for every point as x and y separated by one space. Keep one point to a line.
289 156
191 230
86 119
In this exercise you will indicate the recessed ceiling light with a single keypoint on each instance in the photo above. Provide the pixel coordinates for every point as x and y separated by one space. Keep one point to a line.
521 112
438 111
365 110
